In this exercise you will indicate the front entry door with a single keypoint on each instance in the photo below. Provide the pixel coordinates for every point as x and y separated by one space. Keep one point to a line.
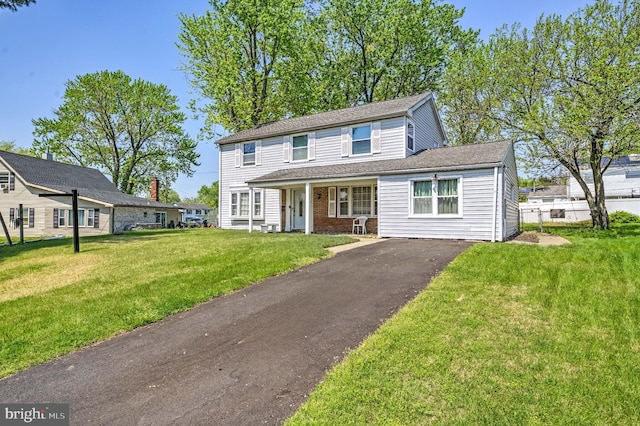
298 199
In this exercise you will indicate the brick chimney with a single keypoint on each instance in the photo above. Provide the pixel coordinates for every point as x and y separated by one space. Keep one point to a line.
155 189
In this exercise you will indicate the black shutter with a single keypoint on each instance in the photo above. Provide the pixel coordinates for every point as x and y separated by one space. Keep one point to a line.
96 218
55 218
12 181
12 216
32 218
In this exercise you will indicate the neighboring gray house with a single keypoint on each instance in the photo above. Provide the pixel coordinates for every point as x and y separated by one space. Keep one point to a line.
103 209
386 161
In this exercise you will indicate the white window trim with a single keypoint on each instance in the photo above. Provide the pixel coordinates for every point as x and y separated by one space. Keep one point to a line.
238 216
68 216
350 135
291 147
350 201
410 123
434 194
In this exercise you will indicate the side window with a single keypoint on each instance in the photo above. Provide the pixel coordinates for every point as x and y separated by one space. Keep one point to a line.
410 136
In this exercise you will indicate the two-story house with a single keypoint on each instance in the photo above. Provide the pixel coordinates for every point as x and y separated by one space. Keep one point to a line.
386 161
37 183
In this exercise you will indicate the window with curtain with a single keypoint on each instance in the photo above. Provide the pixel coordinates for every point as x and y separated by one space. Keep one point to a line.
422 197
448 196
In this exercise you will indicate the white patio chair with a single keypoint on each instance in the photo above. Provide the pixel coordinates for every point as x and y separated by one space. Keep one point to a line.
359 223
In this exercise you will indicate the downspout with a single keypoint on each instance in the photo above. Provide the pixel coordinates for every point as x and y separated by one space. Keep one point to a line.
495 204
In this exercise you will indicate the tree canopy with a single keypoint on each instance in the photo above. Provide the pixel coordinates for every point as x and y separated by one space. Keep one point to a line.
14 4
568 89
255 61
129 129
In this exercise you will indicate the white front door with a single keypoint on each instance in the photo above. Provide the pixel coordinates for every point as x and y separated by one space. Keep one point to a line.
298 208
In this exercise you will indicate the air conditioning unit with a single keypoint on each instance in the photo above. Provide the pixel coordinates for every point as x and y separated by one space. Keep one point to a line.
4 187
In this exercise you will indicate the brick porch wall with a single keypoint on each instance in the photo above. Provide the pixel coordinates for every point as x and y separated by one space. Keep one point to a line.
322 223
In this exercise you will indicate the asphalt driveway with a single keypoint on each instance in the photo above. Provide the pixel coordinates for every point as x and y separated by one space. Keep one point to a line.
248 358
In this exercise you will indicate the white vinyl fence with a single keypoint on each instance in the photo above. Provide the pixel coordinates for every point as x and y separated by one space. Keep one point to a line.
571 211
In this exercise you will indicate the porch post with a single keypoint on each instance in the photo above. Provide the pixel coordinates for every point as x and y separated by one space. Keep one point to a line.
250 209
307 208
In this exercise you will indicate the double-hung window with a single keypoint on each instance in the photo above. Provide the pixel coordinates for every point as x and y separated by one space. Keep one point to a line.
4 179
361 140
240 204
90 218
248 154
443 194
422 197
300 146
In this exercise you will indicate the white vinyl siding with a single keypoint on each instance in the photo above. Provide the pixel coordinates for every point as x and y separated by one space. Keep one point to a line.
476 194
428 133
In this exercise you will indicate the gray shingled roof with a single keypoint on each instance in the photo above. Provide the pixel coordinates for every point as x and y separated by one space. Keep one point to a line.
372 111
437 159
193 206
62 177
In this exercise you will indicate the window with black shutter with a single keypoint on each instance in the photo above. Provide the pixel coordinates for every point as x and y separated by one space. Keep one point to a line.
55 218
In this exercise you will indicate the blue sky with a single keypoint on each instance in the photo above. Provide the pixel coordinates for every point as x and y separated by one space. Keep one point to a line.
44 45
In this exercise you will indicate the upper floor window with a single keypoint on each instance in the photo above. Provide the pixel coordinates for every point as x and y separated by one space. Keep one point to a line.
300 147
410 136
4 178
248 154
361 140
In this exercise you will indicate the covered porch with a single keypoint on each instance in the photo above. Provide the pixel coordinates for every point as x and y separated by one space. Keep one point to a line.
324 206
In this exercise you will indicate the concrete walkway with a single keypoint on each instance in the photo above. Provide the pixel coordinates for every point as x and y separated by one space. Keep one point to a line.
245 359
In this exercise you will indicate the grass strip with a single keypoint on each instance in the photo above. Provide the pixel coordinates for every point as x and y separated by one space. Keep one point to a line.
53 301
507 334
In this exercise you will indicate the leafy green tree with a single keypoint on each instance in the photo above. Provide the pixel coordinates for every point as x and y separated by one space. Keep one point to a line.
569 90
384 49
207 195
129 129
10 146
464 99
14 4
239 54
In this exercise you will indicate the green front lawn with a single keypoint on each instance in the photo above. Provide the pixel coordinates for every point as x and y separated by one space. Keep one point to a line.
53 301
508 334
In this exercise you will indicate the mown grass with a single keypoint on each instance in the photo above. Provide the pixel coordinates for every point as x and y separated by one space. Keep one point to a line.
507 334
53 301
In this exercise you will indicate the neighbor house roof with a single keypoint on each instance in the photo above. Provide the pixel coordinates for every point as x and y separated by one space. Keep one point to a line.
430 160
63 178
367 112
193 206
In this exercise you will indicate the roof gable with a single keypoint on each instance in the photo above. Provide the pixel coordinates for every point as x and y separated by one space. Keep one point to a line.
61 177
373 111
